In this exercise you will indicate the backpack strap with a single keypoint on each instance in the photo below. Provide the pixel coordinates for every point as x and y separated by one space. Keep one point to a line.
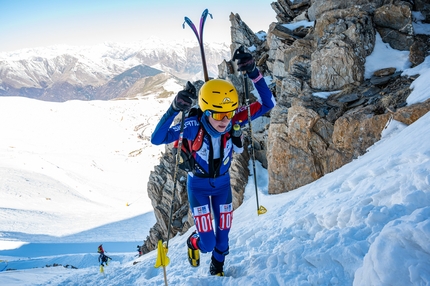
198 141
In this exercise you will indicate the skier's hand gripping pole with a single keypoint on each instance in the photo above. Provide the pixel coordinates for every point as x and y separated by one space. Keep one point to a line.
183 103
246 64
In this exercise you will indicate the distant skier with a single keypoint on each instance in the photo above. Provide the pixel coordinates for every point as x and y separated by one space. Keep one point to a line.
139 249
103 258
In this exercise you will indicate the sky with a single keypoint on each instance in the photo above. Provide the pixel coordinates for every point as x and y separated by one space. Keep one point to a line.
29 24
69 183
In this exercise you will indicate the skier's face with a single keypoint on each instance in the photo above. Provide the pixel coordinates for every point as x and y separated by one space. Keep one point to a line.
221 125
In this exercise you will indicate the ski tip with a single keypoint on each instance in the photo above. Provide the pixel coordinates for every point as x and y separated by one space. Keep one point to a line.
206 13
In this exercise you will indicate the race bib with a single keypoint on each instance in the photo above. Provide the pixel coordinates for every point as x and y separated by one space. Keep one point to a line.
202 218
225 216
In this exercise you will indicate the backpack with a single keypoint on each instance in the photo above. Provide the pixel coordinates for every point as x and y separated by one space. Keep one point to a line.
186 160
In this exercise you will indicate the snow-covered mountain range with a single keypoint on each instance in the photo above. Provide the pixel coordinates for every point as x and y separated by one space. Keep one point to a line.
105 71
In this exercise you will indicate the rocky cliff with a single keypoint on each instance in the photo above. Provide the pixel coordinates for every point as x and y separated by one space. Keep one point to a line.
310 136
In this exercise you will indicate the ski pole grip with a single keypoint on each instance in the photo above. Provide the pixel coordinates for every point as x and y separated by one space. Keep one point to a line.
191 89
240 50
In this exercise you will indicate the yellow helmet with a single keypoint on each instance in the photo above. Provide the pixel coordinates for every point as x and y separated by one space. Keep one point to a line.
218 95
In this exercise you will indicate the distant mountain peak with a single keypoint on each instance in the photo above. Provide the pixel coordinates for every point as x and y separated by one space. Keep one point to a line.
61 72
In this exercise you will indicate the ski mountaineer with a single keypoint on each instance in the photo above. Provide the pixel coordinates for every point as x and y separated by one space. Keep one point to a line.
139 250
103 258
208 183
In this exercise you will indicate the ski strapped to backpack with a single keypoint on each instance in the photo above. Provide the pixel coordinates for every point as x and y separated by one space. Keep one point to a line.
199 36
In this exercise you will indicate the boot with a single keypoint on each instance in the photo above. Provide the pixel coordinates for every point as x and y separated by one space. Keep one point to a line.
216 267
193 249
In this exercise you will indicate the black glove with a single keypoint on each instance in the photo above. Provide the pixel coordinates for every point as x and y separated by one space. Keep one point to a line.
245 60
184 99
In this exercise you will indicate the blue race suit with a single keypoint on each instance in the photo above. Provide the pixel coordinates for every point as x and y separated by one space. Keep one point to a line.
209 184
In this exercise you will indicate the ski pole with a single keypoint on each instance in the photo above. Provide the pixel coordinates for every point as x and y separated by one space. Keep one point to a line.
163 247
260 209
189 88
178 157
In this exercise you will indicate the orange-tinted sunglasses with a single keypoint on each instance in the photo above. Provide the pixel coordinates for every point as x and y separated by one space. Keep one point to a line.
218 116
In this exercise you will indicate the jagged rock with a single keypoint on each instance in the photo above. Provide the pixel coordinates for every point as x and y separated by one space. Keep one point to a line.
424 7
302 31
397 17
349 98
394 23
284 14
370 91
308 147
301 4
398 41
299 54
336 65
345 38
284 33
357 130
385 72
419 50
318 136
380 80
320 7
241 34
410 114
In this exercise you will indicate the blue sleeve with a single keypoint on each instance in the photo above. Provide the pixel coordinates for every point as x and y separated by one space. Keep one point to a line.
267 100
160 134
164 134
